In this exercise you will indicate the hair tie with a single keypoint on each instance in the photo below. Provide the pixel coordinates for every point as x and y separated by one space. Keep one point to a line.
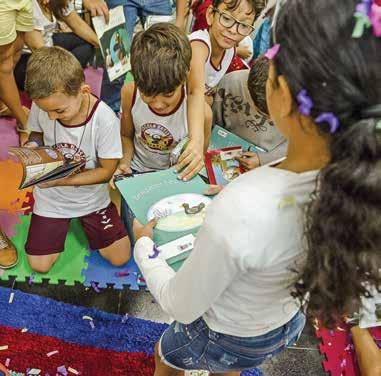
367 14
329 118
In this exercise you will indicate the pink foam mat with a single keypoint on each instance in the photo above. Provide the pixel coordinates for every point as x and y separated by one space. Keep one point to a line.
338 348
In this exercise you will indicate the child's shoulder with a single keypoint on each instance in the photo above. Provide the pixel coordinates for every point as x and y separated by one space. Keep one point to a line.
102 113
201 36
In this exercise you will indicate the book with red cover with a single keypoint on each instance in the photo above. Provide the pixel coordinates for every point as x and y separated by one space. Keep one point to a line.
221 165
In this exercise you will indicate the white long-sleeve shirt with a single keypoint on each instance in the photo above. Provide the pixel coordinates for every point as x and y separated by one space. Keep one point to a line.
239 272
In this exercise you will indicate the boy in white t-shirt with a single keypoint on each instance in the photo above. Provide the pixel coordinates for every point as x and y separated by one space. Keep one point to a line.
212 52
154 107
65 115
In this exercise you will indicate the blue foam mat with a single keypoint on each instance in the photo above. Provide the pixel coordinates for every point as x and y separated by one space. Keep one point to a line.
102 272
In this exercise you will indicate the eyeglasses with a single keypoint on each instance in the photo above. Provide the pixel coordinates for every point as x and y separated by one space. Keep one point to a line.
228 21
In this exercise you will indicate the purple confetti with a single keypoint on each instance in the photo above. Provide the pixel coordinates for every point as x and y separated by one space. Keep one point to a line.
156 252
7 361
122 274
95 287
305 102
125 318
62 370
31 279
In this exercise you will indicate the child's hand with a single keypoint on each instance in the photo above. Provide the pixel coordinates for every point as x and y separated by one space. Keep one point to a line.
121 169
30 145
243 52
191 161
143 230
213 190
249 160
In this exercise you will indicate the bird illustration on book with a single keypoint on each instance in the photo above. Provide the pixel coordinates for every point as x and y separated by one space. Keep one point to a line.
194 209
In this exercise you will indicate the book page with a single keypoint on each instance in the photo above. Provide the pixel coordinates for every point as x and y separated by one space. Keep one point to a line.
114 42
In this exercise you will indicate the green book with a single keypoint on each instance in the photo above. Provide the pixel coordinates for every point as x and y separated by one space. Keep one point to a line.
222 138
180 206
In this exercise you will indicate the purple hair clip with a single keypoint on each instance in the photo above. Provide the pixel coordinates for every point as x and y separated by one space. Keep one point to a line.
329 118
305 106
272 52
305 102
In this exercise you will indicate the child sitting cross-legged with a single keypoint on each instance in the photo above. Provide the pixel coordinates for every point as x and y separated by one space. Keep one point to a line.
66 116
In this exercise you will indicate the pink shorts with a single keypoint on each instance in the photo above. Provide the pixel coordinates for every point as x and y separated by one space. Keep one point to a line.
47 235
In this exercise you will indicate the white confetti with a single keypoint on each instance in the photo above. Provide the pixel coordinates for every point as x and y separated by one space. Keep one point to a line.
5 347
11 296
72 370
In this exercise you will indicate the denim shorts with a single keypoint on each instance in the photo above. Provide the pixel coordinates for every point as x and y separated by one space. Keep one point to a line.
196 347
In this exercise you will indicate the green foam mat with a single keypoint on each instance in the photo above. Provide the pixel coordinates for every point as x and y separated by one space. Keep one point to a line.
69 265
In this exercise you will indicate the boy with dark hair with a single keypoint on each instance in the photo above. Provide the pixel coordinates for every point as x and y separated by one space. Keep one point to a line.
257 84
66 116
154 107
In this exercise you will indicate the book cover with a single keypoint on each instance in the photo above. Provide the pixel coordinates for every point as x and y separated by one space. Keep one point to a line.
222 139
44 164
114 42
221 165
180 206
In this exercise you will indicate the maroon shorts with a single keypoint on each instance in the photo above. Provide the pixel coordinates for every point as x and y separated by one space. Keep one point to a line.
47 235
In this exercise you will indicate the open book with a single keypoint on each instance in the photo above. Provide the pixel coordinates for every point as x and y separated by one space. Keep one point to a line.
44 164
180 207
114 42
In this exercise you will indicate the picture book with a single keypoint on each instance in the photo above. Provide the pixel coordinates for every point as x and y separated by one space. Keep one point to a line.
222 139
114 42
176 251
180 206
221 165
44 164
150 20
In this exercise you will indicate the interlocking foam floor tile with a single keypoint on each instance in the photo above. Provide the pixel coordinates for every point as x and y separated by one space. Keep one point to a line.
103 273
68 267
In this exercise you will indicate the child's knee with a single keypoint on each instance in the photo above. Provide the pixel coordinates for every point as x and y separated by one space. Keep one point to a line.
40 264
117 253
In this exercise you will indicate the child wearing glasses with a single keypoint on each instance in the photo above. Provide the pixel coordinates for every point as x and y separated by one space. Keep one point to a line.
213 49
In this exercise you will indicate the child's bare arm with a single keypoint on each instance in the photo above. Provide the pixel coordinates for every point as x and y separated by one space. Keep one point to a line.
81 28
368 353
192 159
127 125
182 10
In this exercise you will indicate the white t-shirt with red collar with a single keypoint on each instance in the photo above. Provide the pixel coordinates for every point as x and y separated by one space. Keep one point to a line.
213 75
156 135
97 137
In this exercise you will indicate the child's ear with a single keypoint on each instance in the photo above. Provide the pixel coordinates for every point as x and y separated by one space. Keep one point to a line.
209 15
287 100
85 89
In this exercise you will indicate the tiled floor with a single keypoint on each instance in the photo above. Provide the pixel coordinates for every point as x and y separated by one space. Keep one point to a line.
301 360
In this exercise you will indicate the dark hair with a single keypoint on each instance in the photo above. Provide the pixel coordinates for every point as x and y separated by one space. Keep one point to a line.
257 5
51 70
160 59
342 75
58 7
257 83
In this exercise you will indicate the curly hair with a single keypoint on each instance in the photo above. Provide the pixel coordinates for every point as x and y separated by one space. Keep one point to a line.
343 225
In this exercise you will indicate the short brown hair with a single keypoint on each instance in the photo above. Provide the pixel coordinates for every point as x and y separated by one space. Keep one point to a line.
51 70
160 59
257 83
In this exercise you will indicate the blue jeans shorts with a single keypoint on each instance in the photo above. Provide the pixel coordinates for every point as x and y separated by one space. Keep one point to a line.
196 347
